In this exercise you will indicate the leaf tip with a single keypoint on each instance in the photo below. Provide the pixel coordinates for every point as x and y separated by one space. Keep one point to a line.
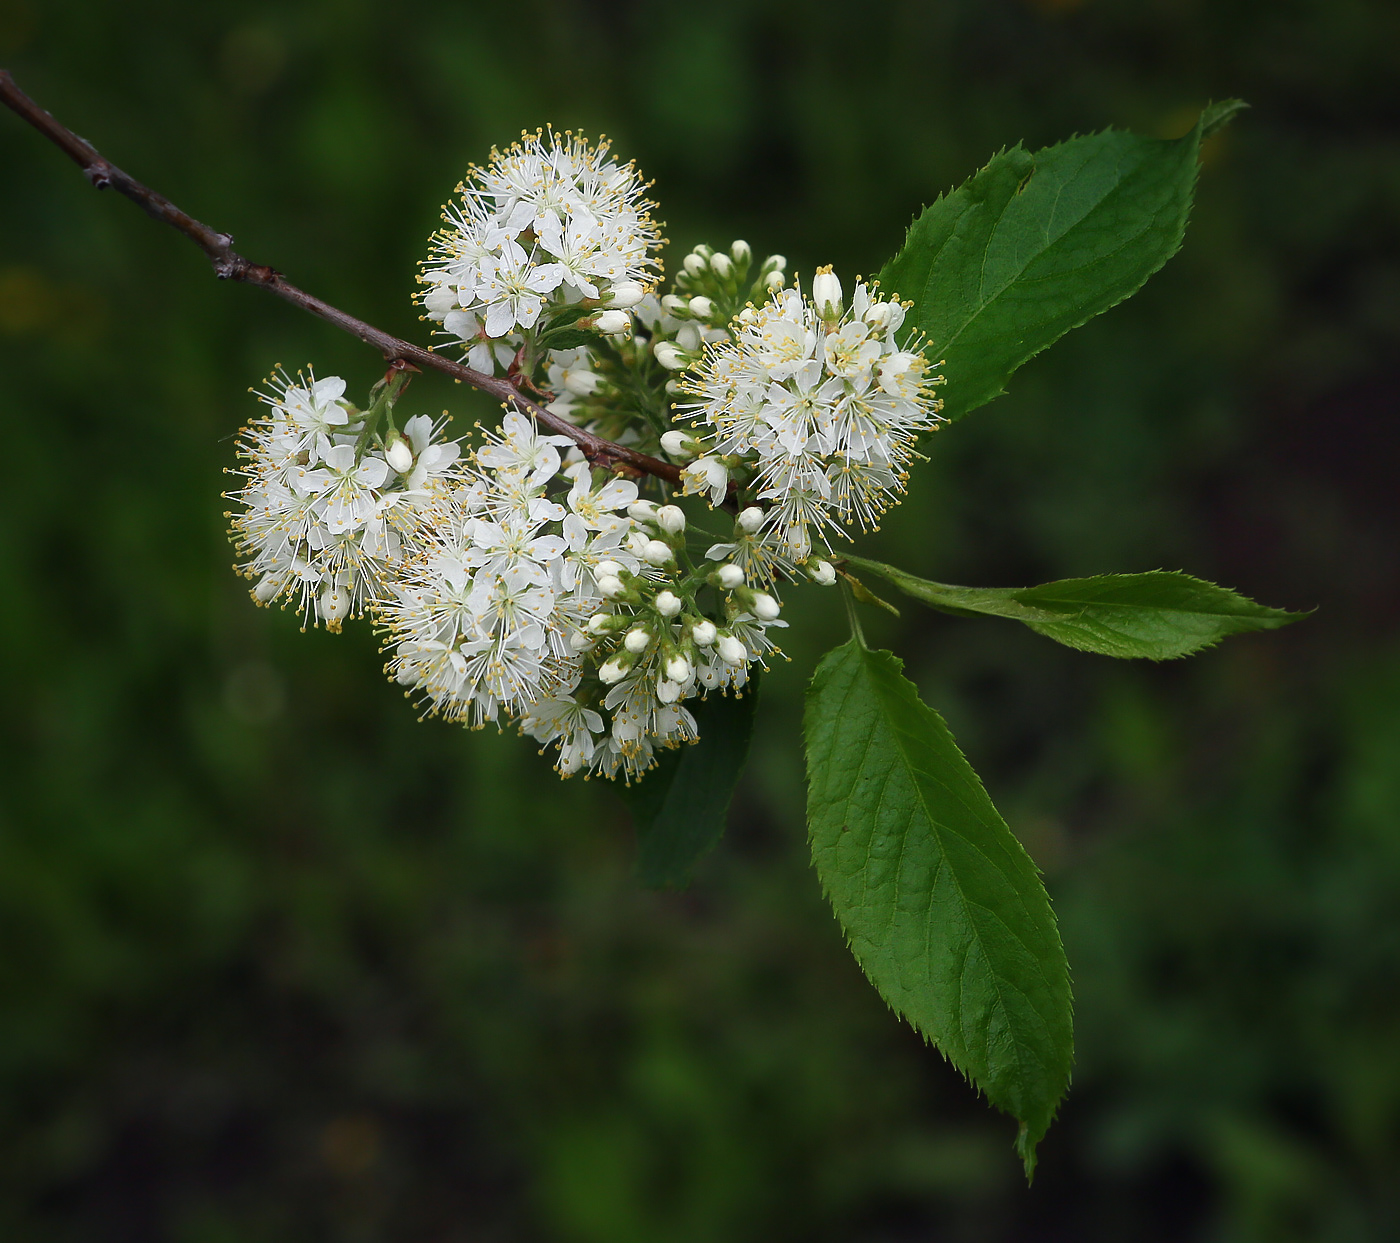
1025 1149
1216 115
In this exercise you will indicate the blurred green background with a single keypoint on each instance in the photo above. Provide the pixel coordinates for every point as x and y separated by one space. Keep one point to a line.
277 962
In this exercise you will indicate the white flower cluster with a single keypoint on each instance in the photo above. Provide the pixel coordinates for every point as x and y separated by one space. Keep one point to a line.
328 512
819 402
548 223
519 583
554 612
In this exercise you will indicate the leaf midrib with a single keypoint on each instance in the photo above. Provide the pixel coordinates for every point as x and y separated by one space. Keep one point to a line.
984 305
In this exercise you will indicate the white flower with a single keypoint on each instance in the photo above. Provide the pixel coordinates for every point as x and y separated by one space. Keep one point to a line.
730 576
706 474
668 604
823 573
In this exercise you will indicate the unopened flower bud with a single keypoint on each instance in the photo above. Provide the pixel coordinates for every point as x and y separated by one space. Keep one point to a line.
729 576
439 300
775 263
694 264
599 623
749 519
826 293
720 264
732 650
823 573
672 303
579 641
613 323
667 691
678 444
642 511
610 587
747 315
678 669
701 307
741 251
399 454
877 314
671 519
765 608
612 670
334 605
668 604
626 293
669 355
774 280
637 640
581 383
703 632
605 569
657 552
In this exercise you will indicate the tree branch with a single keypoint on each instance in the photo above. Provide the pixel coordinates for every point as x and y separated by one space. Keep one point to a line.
230 265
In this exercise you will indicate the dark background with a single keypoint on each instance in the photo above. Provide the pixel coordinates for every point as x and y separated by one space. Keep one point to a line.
277 962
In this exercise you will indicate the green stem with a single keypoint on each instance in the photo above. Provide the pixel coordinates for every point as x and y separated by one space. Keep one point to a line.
850 602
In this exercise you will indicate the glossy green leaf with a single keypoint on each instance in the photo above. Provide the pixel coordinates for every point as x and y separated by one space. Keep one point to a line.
1036 244
1159 615
941 905
679 808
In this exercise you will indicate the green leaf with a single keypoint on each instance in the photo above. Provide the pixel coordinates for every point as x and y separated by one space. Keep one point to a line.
567 338
679 808
1034 245
1159 615
942 907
